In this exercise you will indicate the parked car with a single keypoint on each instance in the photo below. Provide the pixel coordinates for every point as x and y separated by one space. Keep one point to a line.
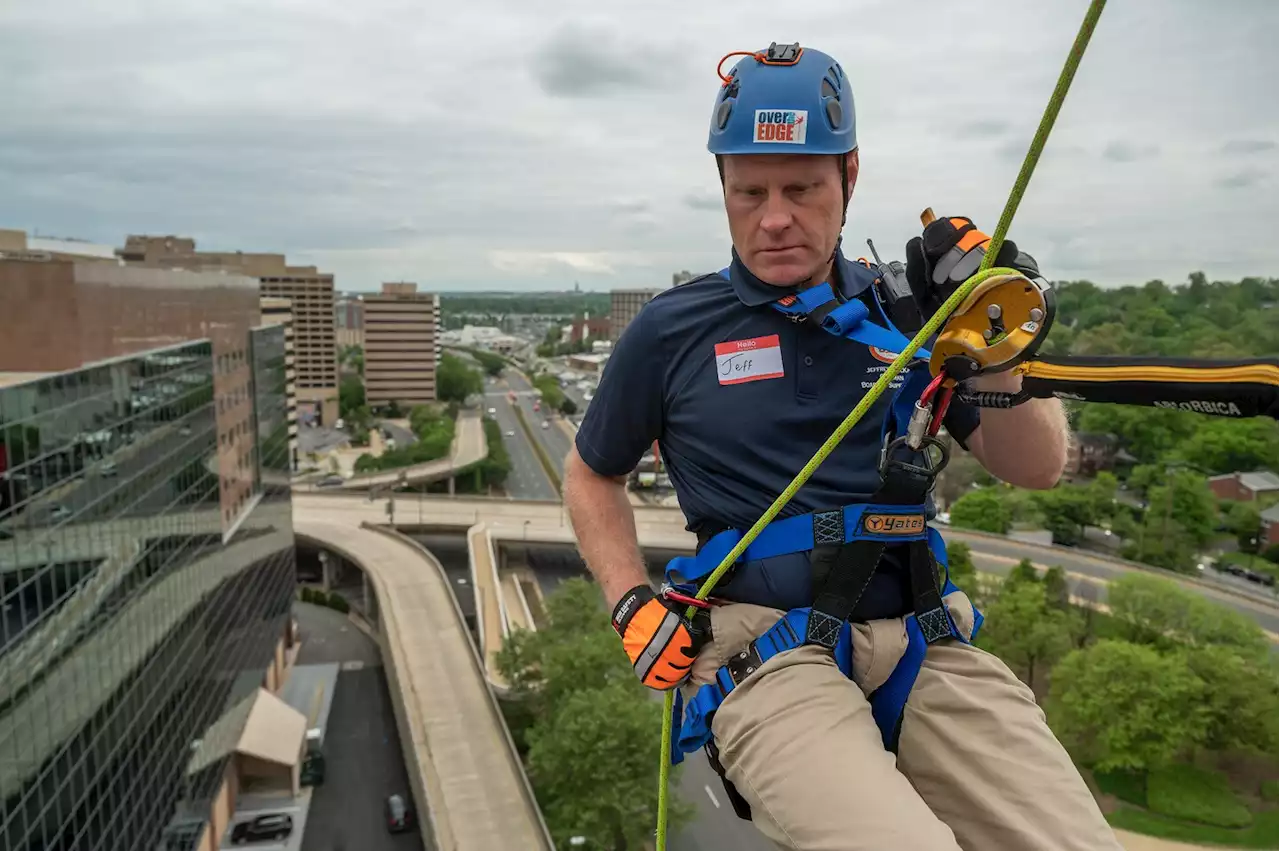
330 481
399 814
269 826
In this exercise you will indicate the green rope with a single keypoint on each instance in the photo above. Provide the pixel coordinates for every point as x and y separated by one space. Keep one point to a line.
985 271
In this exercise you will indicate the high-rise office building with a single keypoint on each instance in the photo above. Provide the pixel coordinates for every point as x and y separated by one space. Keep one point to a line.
401 346
348 320
279 311
146 552
309 291
623 307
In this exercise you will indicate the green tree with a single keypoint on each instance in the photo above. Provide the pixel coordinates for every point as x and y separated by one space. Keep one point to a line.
552 396
981 509
1239 697
1148 433
1152 610
1024 631
1057 593
1122 706
1244 521
1023 572
591 763
350 396
1067 510
492 364
960 565
587 724
1221 445
455 381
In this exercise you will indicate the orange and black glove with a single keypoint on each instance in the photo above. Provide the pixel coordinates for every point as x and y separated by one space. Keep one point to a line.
660 642
947 255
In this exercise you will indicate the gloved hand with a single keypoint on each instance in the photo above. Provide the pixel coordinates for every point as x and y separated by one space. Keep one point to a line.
948 254
660 642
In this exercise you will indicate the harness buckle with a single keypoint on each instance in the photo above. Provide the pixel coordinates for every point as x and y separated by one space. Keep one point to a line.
743 664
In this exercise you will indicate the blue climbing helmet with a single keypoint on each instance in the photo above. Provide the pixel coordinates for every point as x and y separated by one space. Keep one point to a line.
785 100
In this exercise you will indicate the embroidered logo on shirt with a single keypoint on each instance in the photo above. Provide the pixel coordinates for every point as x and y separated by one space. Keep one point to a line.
740 361
883 355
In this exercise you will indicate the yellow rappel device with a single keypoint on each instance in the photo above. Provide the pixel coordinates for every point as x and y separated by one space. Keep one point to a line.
1002 322
996 321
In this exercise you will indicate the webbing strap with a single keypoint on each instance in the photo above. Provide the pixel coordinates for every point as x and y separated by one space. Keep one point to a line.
850 319
693 720
800 533
842 574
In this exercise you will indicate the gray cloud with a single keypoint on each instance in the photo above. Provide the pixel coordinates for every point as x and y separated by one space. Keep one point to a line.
1248 146
1126 152
581 61
987 128
704 201
498 144
1244 178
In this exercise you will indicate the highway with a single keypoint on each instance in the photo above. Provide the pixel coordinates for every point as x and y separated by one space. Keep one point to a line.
553 439
527 479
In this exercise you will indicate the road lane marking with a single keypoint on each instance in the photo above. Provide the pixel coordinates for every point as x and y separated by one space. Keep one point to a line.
712 796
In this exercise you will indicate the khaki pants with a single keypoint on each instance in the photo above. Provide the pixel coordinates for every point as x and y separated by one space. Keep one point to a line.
977 766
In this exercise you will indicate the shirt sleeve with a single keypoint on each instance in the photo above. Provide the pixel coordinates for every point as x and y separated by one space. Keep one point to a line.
961 421
625 415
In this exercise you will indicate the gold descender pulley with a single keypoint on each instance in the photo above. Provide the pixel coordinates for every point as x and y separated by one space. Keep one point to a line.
1001 325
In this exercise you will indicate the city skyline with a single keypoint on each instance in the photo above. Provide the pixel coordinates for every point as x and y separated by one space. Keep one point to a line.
343 164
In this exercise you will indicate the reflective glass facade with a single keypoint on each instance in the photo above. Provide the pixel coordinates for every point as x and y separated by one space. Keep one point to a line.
146 575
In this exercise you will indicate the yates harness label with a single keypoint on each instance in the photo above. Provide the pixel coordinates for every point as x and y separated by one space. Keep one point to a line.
740 361
893 524
787 126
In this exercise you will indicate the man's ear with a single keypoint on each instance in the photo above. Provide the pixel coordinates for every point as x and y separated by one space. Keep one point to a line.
851 168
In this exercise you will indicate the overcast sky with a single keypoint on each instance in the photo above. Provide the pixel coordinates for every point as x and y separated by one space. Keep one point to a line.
529 144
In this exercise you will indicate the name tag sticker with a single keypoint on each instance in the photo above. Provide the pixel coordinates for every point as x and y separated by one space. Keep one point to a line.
740 361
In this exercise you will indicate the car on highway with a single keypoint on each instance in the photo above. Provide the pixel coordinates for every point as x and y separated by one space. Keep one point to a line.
493 412
546 423
509 434
330 481
267 826
399 814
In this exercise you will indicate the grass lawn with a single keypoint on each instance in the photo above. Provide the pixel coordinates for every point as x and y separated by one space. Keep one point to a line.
1263 833
1189 804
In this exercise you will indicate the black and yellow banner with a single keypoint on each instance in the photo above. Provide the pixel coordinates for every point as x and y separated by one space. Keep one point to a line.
1243 388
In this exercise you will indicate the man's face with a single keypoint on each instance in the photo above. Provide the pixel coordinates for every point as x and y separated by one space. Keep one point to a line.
785 213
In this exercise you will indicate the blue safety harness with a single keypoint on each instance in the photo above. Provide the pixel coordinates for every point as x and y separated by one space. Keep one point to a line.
844 546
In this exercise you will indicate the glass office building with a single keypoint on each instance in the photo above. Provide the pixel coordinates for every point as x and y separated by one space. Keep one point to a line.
146 576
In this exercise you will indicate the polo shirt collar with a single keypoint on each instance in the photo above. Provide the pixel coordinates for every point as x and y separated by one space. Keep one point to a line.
753 292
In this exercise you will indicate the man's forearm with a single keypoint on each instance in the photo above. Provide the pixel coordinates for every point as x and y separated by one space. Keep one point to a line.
605 526
1025 445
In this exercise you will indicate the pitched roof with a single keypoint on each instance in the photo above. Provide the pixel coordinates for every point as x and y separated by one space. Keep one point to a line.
1260 480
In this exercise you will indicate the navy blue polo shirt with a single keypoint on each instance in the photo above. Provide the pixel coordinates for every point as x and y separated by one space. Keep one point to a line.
739 398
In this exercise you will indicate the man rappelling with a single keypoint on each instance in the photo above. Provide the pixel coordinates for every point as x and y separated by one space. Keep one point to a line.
830 679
